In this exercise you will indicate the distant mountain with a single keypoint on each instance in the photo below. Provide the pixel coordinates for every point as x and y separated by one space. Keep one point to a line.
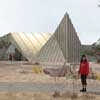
92 51
97 43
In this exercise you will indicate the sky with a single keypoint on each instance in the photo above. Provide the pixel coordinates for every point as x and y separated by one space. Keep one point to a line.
45 16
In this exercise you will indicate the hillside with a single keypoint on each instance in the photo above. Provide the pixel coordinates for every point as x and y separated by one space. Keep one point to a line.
97 42
92 51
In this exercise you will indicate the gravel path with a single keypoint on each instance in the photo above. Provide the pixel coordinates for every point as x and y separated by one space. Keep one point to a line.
34 87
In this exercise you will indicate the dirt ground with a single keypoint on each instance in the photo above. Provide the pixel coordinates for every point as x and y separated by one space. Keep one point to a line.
47 96
22 72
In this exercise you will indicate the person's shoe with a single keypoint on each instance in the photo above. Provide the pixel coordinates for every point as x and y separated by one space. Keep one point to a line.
85 90
82 90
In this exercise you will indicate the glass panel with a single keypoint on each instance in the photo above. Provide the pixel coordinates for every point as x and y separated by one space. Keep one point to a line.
30 43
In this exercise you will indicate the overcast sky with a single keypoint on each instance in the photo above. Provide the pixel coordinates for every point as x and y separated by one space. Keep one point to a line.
45 15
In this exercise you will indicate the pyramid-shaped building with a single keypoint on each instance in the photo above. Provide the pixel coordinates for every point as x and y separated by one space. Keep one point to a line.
22 45
63 46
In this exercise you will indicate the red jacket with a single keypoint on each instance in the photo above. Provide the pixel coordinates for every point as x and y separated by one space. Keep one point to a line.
84 68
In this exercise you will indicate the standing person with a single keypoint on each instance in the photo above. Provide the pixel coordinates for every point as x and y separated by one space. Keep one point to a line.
10 57
84 71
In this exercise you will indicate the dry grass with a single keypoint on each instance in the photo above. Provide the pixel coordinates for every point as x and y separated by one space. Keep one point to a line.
31 73
24 73
46 96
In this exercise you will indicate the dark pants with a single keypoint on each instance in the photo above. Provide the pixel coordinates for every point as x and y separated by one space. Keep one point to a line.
83 79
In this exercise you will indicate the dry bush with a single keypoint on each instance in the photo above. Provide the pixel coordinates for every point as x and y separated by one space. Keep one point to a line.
36 63
47 96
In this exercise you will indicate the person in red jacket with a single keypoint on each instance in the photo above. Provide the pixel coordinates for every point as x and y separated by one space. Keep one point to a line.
84 71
